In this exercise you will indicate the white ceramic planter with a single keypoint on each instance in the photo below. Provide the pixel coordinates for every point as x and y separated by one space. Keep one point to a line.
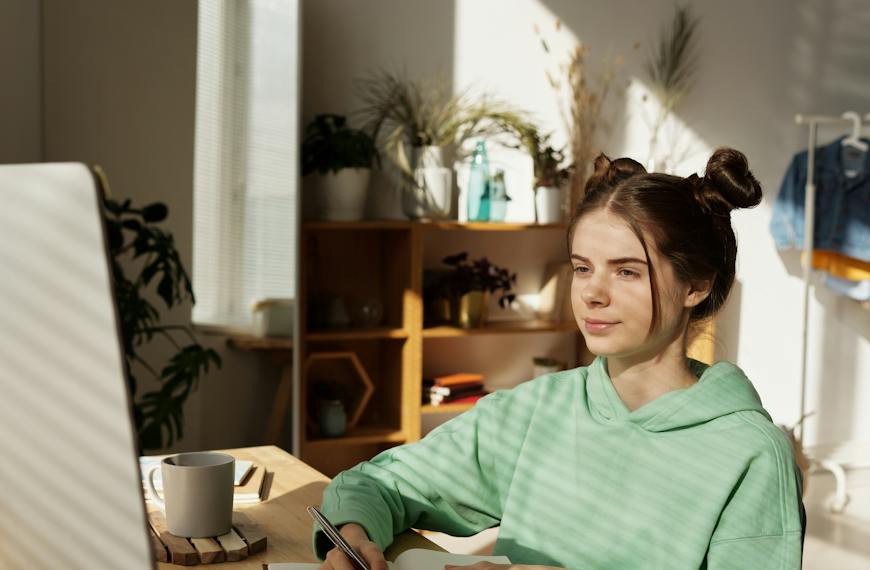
548 204
432 198
341 196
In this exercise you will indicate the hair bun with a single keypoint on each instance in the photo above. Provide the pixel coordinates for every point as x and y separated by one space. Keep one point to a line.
728 184
608 173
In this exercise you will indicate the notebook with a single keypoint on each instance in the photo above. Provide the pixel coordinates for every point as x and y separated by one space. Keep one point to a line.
412 559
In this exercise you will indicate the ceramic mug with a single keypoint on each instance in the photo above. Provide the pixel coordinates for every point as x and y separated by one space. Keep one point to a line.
197 493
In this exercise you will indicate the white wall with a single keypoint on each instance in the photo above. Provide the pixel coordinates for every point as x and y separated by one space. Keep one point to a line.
760 64
119 92
21 93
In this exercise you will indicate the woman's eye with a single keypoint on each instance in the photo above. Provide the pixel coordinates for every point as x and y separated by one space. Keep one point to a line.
581 269
628 273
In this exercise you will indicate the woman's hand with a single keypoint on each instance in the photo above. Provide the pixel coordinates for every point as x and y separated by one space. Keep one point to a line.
359 540
491 566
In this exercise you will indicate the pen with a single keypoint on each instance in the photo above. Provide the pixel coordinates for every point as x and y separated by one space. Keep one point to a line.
336 538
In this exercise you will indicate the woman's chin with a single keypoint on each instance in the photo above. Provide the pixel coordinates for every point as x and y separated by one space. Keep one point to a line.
604 347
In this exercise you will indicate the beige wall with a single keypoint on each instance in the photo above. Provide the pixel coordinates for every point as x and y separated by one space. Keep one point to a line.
20 91
120 92
760 64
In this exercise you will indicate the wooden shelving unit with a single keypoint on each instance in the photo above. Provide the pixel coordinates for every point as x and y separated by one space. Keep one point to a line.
357 334
500 327
445 408
384 260
357 436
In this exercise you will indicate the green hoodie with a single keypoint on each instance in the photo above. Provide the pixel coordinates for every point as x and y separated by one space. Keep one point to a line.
697 478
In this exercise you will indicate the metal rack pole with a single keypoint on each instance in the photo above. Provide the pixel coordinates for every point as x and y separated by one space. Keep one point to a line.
841 498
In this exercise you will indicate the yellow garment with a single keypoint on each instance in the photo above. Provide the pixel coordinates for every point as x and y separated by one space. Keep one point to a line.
840 265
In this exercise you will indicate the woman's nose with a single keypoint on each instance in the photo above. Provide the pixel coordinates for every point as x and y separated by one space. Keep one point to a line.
595 292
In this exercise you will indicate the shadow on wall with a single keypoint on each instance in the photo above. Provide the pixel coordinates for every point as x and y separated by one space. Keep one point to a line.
727 338
834 336
339 50
760 65
838 336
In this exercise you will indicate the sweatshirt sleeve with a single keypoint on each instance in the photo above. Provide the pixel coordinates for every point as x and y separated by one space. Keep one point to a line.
763 522
454 480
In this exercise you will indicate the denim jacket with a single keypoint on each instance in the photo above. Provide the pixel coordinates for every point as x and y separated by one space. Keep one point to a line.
842 216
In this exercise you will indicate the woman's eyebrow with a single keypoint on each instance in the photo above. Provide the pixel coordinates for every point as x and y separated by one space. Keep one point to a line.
618 261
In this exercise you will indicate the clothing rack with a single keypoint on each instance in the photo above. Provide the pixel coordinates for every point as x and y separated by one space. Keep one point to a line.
841 497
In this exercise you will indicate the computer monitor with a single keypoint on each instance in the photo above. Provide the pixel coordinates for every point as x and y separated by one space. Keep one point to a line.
70 489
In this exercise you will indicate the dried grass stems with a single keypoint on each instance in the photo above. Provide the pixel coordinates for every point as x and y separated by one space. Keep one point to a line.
672 66
586 93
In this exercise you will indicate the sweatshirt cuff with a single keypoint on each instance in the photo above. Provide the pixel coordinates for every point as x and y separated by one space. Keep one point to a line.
377 534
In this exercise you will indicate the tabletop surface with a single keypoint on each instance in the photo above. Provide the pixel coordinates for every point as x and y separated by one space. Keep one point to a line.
283 518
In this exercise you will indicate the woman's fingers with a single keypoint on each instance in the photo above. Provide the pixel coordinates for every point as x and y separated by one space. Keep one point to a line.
337 560
373 555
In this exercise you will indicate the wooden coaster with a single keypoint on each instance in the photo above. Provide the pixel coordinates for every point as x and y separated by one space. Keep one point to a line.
244 539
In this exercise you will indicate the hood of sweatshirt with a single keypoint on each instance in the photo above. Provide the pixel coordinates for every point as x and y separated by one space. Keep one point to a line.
721 389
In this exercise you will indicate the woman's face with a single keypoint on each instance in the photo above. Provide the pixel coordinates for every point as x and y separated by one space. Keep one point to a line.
610 290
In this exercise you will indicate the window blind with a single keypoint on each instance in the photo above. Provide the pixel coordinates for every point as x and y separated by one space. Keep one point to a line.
246 156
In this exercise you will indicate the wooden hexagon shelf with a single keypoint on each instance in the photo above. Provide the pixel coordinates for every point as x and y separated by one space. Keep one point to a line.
342 368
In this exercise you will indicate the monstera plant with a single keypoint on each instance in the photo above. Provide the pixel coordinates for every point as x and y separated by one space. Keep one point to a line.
148 252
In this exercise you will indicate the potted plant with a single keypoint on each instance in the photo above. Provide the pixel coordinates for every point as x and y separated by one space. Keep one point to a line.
415 120
341 157
552 173
470 284
133 236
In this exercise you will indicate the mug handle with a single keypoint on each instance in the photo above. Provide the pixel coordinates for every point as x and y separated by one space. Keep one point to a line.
152 492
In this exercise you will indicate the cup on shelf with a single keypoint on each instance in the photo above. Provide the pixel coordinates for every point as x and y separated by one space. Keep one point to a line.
331 418
336 315
366 312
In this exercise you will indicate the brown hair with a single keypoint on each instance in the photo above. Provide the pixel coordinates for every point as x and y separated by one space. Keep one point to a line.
689 219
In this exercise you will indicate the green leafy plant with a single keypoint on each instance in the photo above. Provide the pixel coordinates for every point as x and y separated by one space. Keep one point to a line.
479 275
331 145
551 165
133 236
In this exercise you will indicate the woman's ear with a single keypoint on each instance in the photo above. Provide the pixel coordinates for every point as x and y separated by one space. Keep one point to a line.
698 291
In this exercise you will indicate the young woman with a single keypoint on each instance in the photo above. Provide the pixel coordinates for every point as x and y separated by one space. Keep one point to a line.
643 459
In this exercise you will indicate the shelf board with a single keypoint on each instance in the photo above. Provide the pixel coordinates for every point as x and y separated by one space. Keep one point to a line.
444 225
491 226
247 342
358 225
502 327
445 408
360 435
356 333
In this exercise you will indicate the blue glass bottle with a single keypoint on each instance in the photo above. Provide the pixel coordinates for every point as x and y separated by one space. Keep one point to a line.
478 184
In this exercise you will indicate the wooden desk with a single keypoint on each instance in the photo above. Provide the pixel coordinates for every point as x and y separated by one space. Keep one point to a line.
283 518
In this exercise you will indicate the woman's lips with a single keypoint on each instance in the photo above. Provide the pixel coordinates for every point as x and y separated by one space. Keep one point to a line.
593 325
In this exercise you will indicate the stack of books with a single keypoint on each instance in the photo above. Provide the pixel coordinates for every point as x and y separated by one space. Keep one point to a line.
462 388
